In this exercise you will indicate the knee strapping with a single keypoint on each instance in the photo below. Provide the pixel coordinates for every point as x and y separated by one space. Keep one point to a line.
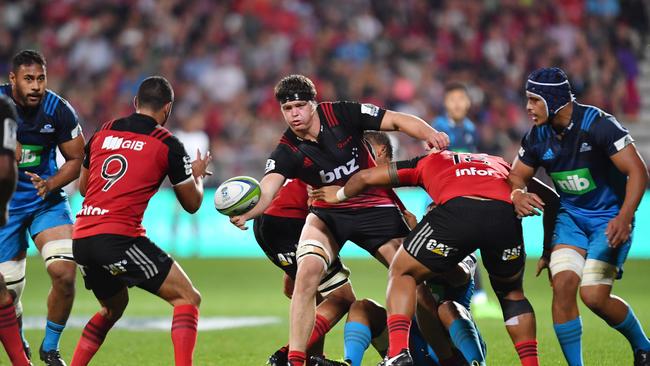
597 272
512 309
314 248
566 259
57 250
14 275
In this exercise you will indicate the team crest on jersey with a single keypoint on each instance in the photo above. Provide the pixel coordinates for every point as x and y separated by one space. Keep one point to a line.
511 254
522 151
270 165
439 248
370 109
306 162
286 259
585 147
47 129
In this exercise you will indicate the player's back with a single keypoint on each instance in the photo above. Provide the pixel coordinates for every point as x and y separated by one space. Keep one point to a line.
127 161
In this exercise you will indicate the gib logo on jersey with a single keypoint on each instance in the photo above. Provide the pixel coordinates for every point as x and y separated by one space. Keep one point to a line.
474 171
114 143
577 181
30 156
339 172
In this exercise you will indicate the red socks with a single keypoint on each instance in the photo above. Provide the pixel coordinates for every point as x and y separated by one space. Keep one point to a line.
398 334
297 358
527 351
184 325
10 335
321 327
91 339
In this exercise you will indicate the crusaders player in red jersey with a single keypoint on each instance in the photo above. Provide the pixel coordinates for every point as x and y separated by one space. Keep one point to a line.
474 211
126 161
324 145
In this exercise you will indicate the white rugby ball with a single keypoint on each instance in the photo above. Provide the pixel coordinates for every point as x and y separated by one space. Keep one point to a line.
237 195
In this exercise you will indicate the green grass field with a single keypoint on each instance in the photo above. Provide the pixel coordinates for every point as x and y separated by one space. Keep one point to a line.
252 287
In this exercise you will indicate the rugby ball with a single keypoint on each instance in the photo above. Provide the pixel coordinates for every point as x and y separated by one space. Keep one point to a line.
237 195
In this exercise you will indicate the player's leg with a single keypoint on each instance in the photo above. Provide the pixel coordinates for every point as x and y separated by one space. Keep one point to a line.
602 267
316 252
51 230
9 331
462 331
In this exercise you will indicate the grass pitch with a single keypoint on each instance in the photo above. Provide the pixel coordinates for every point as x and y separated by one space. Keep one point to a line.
253 287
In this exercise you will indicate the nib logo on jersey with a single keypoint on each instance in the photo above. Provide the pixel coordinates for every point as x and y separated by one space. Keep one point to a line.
577 181
114 143
339 172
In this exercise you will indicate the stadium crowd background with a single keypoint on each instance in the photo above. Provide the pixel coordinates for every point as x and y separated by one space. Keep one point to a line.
224 57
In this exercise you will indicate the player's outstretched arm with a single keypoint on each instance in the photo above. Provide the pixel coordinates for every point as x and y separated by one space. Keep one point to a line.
526 204
7 183
630 163
269 186
374 177
190 192
415 127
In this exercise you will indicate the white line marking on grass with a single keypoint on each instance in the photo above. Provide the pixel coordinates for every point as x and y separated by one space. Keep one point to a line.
161 323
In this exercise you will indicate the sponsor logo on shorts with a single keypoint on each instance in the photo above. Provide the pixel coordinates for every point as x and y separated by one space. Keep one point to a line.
31 156
339 172
511 254
577 181
439 248
286 259
114 143
116 268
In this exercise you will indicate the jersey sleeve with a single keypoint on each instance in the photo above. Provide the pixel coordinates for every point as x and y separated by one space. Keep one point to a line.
610 135
408 173
526 152
282 161
8 136
179 163
68 126
362 116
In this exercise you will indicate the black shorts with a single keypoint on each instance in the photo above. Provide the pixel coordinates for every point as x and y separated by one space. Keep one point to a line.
111 262
369 228
449 232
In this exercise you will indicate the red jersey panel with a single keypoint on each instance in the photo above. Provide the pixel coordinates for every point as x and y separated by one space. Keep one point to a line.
290 201
127 160
447 174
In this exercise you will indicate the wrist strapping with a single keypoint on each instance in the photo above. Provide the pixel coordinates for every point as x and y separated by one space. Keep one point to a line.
340 195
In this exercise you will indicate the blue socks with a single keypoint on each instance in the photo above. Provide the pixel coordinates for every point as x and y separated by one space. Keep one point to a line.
465 337
52 336
356 338
631 329
569 335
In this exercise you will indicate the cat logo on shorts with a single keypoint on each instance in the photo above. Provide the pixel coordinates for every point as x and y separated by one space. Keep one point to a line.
511 254
286 259
439 248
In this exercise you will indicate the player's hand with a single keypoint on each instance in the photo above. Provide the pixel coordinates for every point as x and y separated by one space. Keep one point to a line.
200 165
527 204
42 186
411 220
618 230
239 221
542 264
326 193
437 140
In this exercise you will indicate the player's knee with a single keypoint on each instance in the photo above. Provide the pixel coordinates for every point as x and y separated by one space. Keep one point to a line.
13 283
194 297
310 252
565 285
58 252
508 288
594 299
447 312
568 264
113 314
362 311
63 275
513 309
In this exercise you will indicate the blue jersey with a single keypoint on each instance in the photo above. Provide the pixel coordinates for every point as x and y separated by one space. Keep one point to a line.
462 136
40 131
578 160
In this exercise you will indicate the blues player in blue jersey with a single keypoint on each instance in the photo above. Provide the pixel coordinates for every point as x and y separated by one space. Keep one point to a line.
601 178
454 122
39 207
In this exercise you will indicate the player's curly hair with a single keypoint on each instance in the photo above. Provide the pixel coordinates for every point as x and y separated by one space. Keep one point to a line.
292 85
27 57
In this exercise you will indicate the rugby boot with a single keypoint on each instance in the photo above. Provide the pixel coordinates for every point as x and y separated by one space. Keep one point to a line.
401 359
642 358
279 358
51 358
322 361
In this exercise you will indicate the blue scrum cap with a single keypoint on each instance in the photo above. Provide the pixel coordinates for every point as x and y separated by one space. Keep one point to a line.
552 86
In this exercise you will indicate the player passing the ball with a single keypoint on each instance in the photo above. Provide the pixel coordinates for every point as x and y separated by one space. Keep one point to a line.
126 161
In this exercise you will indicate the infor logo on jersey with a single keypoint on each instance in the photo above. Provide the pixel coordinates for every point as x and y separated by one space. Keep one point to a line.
577 181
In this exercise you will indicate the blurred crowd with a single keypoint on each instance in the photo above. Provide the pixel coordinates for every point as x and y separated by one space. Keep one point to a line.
224 57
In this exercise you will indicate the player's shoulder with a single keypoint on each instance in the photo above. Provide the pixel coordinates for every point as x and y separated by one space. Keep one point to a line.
55 105
538 134
288 142
594 119
5 89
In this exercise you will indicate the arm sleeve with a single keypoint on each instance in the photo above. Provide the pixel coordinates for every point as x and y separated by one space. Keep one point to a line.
281 161
68 126
408 173
361 116
8 136
87 150
179 163
526 152
609 135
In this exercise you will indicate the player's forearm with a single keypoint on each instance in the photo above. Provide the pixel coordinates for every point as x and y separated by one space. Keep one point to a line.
412 125
634 190
269 187
67 173
358 183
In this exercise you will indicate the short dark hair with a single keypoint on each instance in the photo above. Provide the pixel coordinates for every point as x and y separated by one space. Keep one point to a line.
27 57
455 85
294 84
7 108
155 92
380 138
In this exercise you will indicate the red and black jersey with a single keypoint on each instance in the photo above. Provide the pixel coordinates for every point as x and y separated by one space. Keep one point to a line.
290 201
127 160
447 174
339 152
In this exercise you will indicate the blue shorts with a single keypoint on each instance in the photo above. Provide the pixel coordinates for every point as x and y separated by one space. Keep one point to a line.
588 233
13 236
